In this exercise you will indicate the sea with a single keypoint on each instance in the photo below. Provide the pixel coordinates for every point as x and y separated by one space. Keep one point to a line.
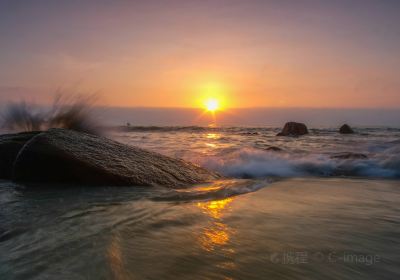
319 206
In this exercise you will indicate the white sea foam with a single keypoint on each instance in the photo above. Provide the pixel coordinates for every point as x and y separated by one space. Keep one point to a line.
254 163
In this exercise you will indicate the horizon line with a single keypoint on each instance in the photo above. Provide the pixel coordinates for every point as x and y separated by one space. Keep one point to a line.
249 108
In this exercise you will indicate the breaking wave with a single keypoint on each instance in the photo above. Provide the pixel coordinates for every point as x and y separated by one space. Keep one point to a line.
256 163
216 190
256 152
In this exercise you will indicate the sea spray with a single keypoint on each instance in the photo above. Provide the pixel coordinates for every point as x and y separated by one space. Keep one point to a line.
73 112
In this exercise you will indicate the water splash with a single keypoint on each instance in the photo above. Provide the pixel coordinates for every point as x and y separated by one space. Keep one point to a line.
74 112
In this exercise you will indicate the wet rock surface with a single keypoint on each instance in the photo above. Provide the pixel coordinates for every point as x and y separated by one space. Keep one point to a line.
10 145
293 129
66 156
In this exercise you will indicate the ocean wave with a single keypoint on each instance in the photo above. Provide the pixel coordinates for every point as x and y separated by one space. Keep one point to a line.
164 128
245 131
215 190
255 163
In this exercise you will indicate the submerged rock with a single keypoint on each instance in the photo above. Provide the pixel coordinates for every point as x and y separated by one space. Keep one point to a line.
346 129
65 156
10 145
274 149
349 156
293 129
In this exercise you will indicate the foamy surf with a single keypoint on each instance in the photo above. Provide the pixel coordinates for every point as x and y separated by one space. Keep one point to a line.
255 163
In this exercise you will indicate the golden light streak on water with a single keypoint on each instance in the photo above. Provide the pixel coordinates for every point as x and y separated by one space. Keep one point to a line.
218 233
215 208
213 135
115 259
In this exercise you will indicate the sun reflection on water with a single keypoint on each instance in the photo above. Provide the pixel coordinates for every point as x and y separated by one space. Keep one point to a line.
211 145
217 234
115 259
213 135
214 236
215 208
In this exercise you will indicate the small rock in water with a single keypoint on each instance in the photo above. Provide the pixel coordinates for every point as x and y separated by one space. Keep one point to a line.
249 133
346 129
293 129
349 156
274 149
66 156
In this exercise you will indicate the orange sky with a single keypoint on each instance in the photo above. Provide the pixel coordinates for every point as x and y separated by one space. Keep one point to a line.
247 53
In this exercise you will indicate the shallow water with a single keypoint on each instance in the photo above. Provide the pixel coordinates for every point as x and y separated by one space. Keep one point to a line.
300 214
288 229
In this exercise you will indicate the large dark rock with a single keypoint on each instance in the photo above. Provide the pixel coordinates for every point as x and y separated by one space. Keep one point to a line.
10 145
346 129
293 129
65 156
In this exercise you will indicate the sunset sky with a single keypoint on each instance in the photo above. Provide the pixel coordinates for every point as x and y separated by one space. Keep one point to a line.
176 53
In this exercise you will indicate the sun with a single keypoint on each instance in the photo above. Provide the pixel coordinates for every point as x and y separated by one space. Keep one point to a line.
212 104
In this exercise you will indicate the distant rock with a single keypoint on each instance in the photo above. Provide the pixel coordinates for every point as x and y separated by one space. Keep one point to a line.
65 156
248 133
274 149
349 156
293 129
346 129
10 145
